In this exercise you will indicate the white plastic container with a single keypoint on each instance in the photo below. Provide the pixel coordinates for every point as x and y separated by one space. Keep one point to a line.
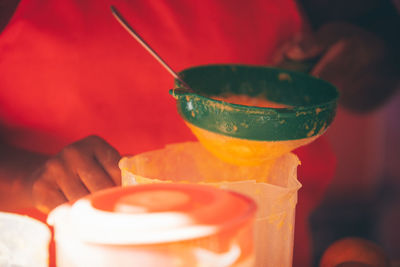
158 225
24 241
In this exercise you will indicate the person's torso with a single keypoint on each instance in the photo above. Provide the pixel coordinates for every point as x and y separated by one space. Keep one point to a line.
68 69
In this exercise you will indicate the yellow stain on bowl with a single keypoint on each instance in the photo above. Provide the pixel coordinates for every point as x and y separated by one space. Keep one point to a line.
243 151
247 152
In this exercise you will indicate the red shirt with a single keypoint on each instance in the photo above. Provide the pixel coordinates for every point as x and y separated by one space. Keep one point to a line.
68 70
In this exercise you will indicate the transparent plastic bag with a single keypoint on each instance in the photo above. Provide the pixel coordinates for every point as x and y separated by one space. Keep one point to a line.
276 197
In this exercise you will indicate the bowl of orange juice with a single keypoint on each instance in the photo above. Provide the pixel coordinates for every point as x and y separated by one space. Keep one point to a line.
247 115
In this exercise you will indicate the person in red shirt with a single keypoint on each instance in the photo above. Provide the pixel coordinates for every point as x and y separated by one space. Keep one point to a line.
68 70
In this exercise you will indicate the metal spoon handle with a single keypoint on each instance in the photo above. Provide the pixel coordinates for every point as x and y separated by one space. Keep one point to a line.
138 38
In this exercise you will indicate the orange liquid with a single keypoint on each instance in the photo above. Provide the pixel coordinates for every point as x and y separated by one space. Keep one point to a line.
246 100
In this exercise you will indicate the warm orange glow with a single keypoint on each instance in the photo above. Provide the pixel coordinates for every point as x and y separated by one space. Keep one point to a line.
243 151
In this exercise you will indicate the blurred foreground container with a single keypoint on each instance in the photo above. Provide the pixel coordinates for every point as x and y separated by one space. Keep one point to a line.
156 225
24 241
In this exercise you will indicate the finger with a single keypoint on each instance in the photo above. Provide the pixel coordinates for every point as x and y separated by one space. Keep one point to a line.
47 196
299 53
82 173
57 171
72 187
93 175
306 48
279 55
61 171
95 162
110 165
108 157
330 59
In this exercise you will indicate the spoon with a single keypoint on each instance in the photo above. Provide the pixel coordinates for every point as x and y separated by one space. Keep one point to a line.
138 38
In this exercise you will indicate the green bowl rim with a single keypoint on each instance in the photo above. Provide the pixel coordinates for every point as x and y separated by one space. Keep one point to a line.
182 95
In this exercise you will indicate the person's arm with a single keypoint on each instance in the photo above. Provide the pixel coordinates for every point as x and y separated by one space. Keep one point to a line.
354 45
16 165
29 179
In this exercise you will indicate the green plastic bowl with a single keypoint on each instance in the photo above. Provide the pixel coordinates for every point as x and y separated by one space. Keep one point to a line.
312 102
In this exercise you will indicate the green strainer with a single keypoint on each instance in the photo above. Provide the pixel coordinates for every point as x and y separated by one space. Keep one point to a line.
250 135
311 101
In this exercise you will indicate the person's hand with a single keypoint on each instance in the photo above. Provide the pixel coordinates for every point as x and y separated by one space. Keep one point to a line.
354 252
85 166
357 62
353 264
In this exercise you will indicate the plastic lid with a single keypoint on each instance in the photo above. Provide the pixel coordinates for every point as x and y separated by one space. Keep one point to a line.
155 213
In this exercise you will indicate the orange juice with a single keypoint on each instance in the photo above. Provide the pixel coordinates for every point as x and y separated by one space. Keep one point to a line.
246 100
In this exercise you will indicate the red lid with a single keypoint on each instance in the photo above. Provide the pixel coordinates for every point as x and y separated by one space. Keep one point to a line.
157 213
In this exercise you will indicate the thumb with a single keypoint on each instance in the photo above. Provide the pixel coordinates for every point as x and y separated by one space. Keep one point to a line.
332 62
